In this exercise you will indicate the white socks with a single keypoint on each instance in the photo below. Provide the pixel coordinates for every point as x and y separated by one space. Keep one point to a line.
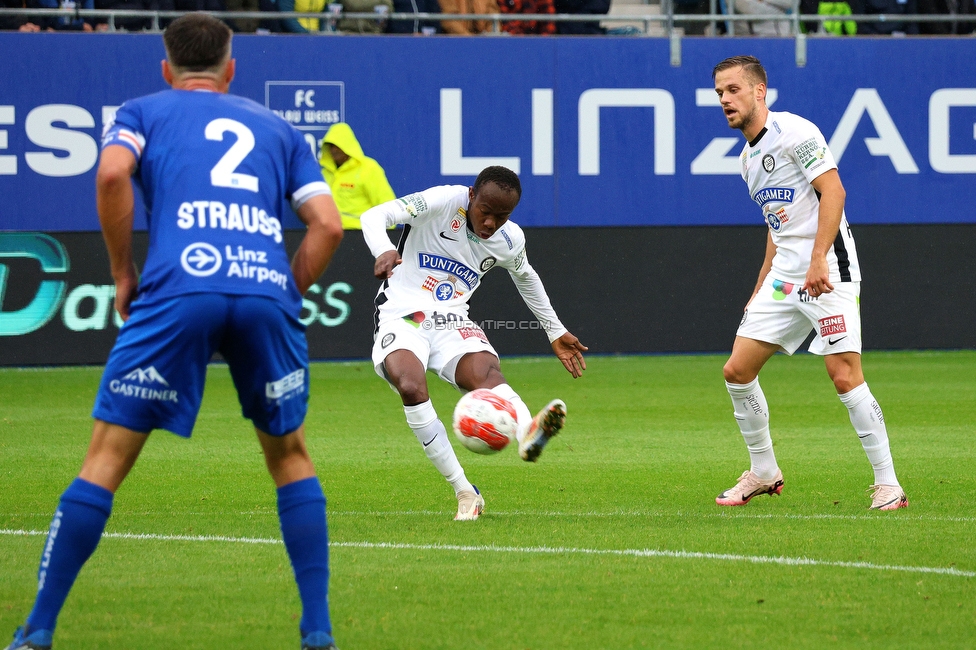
868 421
432 435
752 415
523 416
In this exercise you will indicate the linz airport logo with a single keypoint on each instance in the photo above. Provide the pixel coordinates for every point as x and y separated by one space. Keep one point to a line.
201 259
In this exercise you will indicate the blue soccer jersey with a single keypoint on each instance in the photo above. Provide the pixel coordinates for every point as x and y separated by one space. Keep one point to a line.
216 171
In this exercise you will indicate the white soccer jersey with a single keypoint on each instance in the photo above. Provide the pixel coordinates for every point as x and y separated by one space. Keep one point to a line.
778 166
443 261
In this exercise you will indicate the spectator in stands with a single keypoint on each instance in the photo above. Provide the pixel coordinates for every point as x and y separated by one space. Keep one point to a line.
357 181
188 6
764 8
947 7
132 24
696 28
303 25
61 23
597 7
415 26
243 24
365 25
528 7
16 23
888 7
468 7
837 27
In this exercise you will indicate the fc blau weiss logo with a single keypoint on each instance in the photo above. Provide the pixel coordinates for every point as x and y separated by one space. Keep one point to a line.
201 259
148 376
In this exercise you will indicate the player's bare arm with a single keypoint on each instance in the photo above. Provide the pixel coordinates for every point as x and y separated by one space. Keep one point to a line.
320 215
115 202
385 263
832 196
570 351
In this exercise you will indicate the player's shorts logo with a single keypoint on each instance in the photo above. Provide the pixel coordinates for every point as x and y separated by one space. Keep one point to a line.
287 386
773 221
389 338
148 376
487 263
444 290
132 385
768 163
201 259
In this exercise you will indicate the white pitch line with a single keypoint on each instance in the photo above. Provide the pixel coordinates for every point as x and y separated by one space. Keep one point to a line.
879 517
546 550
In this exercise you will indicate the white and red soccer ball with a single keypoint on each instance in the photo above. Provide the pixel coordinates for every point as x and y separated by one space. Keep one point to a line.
484 422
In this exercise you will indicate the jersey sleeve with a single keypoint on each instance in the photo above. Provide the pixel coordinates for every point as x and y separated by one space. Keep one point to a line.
126 129
421 207
810 151
306 176
530 287
413 210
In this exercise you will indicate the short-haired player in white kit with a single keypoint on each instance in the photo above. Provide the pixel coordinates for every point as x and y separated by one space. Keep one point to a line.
809 279
452 236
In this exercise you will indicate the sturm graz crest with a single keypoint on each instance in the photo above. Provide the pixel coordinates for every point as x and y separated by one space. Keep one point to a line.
385 343
487 263
769 163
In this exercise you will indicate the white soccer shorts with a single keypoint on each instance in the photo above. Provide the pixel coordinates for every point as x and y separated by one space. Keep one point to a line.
783 314
438 338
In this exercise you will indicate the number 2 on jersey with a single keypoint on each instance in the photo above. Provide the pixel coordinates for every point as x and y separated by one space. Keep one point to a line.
223 174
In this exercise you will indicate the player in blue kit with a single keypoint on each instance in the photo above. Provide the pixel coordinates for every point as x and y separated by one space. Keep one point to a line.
215 171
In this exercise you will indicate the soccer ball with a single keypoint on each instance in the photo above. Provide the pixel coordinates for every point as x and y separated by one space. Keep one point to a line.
484 422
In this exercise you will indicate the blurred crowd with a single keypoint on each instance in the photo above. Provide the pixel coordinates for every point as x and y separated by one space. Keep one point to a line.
334 16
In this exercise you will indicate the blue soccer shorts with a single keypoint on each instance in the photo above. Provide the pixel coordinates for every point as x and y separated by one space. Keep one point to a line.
156 371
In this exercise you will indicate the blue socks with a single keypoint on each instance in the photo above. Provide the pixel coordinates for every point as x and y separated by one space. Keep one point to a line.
77 526
301 509
85 508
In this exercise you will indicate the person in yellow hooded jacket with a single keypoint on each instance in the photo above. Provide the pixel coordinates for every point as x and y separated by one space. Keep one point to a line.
357 181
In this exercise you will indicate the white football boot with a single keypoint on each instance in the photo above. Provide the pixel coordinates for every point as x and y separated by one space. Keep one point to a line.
470 505
544 426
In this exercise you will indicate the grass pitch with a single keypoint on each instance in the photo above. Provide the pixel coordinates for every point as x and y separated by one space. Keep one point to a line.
612 540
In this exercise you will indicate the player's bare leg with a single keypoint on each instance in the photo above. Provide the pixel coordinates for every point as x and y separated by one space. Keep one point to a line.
112 452
286 456
868 420
301 512
752 415
482 370
406 373
77 526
